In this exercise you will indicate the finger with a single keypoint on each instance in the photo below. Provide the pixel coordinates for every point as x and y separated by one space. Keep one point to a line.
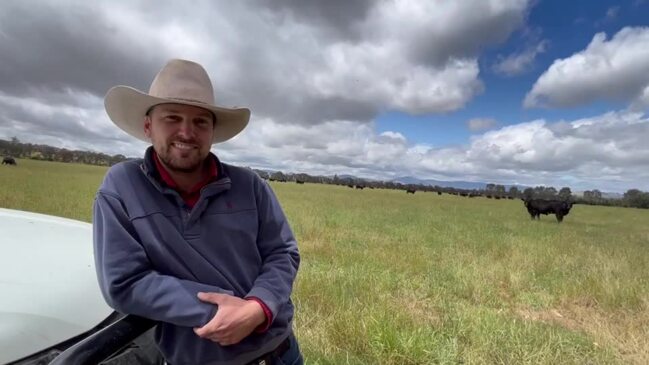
222 342
213 298
200 332
220 339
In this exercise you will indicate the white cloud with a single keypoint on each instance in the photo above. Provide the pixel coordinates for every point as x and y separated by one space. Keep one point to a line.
479 124
518 63
287 61
612 12
606 152
641 102
613 70
610 15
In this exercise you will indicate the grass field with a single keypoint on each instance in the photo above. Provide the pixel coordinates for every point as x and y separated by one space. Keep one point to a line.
394 278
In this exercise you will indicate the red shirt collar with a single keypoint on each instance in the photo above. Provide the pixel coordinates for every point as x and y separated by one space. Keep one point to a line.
192 196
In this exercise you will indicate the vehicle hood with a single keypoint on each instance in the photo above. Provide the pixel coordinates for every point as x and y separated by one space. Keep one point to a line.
48 282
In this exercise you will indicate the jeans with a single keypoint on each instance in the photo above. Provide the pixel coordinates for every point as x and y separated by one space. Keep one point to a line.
292 356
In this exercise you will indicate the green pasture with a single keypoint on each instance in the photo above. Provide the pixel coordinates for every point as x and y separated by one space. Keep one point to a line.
394 278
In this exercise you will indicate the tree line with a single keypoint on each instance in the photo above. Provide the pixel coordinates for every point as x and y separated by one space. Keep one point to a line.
15 148
632 198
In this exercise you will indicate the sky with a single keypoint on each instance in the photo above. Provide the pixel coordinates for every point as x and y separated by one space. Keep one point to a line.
552 93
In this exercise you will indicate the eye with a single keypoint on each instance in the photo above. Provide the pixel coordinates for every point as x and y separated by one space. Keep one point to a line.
202 122
172 118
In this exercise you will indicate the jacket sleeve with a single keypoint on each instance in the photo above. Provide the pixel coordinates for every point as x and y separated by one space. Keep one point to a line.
127 280
279 252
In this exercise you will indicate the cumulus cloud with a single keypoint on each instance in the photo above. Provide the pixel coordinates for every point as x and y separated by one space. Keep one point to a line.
605 149
79 125
612 70
606 152
612 13
518 63
480 124
296 62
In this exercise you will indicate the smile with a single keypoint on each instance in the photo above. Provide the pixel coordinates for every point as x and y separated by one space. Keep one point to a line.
183 146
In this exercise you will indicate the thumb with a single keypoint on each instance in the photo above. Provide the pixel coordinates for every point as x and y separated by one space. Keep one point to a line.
213 298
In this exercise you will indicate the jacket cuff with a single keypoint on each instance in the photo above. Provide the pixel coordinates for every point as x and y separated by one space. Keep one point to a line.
267 313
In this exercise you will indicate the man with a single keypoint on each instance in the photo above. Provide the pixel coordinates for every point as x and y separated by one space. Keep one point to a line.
200 246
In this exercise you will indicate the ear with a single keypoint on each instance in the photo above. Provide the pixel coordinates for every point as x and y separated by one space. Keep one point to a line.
147 126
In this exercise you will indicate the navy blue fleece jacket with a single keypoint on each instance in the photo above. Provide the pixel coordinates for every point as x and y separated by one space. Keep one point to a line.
153 255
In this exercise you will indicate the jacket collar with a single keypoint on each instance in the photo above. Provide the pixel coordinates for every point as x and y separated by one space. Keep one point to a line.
222 183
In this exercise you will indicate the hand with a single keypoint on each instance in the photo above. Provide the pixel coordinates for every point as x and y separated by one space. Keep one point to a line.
235 318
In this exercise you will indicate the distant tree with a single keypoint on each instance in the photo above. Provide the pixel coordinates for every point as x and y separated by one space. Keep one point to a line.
592 196
302 177
528 193
550 193
278 175
565 193
65 155
499 190
513 192
261 173
636 198
597 195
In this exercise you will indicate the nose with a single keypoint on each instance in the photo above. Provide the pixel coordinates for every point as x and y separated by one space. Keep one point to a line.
186 129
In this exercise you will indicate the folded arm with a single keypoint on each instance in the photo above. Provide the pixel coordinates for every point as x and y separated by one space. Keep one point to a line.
127 280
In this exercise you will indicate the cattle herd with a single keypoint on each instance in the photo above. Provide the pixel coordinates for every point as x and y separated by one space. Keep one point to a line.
535 207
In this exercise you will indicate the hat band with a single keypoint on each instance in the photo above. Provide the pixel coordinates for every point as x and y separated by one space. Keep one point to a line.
184 99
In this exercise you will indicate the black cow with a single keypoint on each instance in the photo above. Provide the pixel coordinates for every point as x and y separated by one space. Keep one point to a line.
361 187
410 191
299 182
9 161
559 208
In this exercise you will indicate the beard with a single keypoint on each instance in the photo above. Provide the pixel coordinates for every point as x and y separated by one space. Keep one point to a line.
182 161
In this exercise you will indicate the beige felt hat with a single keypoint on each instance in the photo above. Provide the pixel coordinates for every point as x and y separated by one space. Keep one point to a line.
179 82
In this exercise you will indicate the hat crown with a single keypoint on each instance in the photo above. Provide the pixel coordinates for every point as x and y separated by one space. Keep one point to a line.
183 80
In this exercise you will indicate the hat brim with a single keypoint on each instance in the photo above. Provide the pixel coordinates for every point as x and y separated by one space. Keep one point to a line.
127 106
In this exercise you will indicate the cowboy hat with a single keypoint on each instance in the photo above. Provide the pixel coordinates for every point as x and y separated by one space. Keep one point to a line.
179 82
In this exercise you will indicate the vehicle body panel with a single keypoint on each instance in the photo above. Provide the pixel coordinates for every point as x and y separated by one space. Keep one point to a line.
48 282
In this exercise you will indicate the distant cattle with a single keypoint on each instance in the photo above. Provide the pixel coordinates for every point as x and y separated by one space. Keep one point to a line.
360 187
559 208
410 191
299 182
439 193
9 161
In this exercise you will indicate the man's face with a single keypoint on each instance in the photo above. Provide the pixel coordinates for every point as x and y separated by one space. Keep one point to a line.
181 135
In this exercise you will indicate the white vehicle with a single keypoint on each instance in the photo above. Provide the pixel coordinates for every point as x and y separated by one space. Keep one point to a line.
51 304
